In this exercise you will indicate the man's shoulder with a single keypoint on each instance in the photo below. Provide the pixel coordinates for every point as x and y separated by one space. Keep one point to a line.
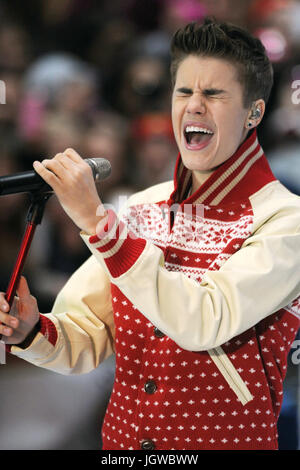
276 192
153 194
275 200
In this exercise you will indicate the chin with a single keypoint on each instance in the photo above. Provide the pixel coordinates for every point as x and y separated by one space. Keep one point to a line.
196 163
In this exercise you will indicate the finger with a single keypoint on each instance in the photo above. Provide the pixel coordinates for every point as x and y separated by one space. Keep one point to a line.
55 166
73 155
4 305
23 289
6 330
63 173
80 165
8 320
66 161
47 175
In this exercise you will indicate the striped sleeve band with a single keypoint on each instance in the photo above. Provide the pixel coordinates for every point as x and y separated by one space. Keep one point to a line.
120 248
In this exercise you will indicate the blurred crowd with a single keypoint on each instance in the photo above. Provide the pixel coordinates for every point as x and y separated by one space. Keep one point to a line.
94 75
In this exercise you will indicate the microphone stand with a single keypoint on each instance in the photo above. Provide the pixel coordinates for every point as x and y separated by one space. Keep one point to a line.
34 218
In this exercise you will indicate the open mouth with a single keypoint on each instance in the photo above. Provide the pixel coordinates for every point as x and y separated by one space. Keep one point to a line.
197 137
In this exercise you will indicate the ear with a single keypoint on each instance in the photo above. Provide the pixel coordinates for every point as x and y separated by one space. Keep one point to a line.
255 114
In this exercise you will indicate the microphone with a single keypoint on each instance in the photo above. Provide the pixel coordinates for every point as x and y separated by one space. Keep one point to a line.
29 181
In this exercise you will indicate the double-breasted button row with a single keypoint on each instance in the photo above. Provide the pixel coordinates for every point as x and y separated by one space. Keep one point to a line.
158 333
147 444
150 387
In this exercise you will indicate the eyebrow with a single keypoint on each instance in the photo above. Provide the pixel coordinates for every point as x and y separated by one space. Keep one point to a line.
207 91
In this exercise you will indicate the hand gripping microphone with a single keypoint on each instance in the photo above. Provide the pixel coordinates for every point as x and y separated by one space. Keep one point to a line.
30 181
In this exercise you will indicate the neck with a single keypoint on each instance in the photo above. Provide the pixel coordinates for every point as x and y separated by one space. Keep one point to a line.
199 177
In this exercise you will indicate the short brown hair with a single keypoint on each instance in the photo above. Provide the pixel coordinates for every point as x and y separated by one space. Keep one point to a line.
231 43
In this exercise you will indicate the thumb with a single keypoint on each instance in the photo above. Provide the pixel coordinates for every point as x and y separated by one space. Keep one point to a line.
23 289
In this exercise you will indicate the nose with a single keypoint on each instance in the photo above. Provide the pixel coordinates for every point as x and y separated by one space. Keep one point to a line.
196 104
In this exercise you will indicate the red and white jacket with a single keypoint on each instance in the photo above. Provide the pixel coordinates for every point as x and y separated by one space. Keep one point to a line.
199 297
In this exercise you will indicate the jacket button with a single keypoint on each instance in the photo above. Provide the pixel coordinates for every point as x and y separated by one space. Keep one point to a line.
150 387
158 333
147 444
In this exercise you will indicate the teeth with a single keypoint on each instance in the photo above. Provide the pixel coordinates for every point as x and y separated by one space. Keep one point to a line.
197 129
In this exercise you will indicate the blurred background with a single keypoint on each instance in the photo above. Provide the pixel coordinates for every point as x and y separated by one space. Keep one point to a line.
93 75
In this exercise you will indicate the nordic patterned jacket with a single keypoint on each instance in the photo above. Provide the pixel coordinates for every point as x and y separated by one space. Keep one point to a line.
199 297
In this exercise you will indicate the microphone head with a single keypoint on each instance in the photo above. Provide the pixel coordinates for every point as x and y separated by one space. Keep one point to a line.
100 166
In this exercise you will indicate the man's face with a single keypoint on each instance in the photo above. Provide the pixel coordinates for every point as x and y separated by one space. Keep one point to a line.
207 95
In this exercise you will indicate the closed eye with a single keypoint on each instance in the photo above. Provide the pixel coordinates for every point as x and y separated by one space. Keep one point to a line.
184 91
213 92
207 92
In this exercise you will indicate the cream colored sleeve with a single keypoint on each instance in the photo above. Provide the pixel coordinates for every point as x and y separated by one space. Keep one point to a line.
83 318
258 280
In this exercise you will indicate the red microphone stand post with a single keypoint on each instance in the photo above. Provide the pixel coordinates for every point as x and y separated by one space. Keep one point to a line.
34 218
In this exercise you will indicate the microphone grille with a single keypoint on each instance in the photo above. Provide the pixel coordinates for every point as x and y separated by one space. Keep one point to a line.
100 166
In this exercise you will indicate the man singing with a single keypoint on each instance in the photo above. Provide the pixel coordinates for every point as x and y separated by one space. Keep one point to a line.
195 285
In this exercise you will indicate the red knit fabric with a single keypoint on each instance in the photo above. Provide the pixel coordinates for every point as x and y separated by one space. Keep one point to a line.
48 329
193 406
